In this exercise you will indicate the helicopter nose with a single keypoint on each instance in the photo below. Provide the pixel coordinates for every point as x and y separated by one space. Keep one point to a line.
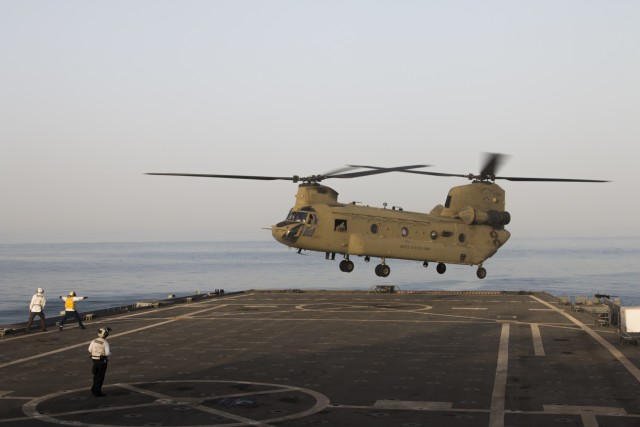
287 234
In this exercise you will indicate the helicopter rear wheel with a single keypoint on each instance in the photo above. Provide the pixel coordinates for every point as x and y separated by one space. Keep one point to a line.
382 270
481 273
346 266
441 268
425 264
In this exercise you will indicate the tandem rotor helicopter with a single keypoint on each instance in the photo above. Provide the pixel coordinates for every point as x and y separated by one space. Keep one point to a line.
467 230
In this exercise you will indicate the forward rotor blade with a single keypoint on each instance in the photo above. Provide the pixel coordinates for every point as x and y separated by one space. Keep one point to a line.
339 170
261 178
437 173
295 178
373 170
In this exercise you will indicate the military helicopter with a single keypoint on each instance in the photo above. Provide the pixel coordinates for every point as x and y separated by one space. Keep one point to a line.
467 230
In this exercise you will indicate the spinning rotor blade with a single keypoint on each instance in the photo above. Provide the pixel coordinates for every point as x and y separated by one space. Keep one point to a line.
492 163
508 178
296 178
494 160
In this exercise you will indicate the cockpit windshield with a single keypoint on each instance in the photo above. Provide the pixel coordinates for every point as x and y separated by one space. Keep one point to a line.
304 215
297 216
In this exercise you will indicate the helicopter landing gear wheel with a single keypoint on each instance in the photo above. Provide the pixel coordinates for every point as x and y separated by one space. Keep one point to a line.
425 264
441 268
382 270
346 266
481 273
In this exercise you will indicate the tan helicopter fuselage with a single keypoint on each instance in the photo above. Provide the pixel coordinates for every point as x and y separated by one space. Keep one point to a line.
468 229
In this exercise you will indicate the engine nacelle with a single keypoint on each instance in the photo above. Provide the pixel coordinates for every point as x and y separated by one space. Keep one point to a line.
493 218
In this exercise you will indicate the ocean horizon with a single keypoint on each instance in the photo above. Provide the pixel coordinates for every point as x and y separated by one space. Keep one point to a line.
115 274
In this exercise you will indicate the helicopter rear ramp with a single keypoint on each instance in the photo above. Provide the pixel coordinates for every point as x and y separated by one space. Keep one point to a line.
330 358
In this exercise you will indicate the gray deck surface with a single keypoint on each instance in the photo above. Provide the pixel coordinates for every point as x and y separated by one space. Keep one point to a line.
330 358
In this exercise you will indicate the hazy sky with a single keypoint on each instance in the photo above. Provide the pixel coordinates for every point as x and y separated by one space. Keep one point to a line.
95 94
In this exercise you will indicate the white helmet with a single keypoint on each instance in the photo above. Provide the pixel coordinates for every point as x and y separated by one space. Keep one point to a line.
40 291
104 332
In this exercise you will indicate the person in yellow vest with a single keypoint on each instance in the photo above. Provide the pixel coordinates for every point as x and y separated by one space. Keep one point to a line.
100 352
70 309
36 308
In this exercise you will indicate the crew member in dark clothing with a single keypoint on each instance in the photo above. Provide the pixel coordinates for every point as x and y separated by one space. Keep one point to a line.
100 352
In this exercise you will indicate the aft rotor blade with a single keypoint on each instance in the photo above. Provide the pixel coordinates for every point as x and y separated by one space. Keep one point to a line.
510 178
492 164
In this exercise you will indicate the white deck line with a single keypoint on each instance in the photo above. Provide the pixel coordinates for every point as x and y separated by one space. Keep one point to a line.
538 348
496 417
614 351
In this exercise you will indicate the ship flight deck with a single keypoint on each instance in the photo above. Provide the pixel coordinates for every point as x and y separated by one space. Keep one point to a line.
260 358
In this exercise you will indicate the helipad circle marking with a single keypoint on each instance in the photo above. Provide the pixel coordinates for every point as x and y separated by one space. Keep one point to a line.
321 402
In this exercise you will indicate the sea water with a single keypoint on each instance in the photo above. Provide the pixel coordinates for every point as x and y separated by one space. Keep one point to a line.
115 274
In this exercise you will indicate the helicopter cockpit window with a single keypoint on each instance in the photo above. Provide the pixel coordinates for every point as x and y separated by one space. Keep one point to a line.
301 216
297 216
305 215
